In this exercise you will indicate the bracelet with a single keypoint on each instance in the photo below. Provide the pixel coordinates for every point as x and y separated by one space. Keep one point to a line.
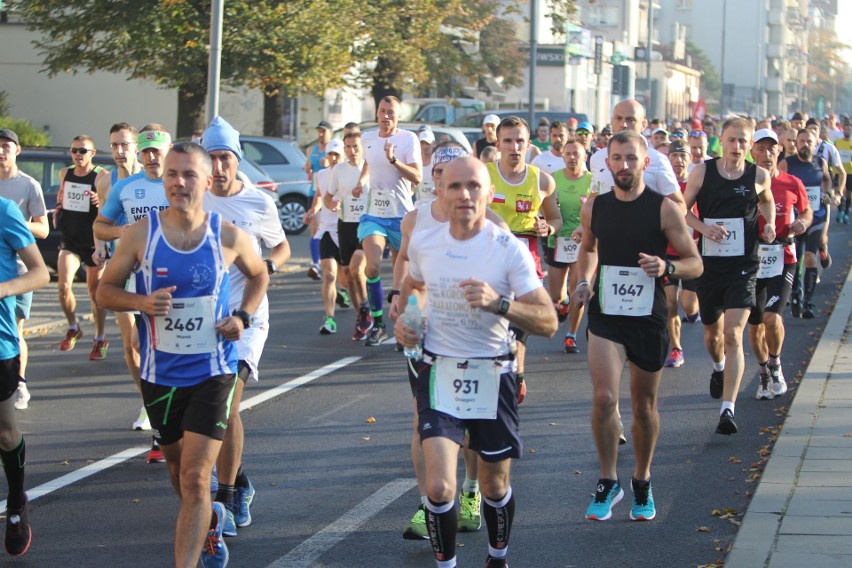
583 283
391 294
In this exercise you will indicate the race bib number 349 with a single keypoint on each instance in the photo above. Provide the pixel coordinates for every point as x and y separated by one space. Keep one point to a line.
626 291
465 388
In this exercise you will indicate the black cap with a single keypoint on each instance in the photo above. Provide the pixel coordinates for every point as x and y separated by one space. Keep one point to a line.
9 135
678 146
798 116
606 129
325 125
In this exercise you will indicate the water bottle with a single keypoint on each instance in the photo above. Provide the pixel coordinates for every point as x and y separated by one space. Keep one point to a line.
413 319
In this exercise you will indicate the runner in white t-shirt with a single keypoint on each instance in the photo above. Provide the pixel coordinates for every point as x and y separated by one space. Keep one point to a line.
551 160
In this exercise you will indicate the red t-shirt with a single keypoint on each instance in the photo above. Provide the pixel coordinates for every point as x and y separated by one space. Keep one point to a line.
789 195
670 251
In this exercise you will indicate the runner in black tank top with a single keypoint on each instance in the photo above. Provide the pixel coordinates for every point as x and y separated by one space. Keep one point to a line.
625 233
729 192
75 225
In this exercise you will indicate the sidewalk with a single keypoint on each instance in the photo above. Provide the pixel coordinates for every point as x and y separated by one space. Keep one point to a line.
801 512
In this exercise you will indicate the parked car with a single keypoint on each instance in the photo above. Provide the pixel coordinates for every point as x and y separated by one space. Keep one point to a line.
475 120
284 162
439 111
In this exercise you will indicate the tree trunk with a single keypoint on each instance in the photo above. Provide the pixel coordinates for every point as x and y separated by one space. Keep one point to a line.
190 111
386 79
273 114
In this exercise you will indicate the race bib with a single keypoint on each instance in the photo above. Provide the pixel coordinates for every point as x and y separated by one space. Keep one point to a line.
465 388
845 156
814 196
626 291
771 259
353 208
77 197
567 250
732 245
189 328
382 204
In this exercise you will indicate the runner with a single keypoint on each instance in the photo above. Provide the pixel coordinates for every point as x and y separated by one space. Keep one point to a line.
26 192
729 192
338 197
130 200
814 173
489 134
316 162
522 192
76 210
189 374
697 150
253 211
624 242
586 134
541 140
392 161
793 214
426 187
468 322
573 185
16 242
552 160
844 146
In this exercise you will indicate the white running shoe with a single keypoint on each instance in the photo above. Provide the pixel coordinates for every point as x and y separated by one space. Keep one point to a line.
142 423
779 385
764 389
22 397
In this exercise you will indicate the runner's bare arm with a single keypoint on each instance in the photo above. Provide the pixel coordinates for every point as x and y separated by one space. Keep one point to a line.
533 312
679 235
587 259
37 275
766 205
549 206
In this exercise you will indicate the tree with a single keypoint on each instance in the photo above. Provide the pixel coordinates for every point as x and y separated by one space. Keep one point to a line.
828 69
711 83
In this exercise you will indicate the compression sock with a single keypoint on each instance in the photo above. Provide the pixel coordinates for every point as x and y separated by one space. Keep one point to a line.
376 296
315 251
442 522
810 283
242 479
498 518
13 463
226 494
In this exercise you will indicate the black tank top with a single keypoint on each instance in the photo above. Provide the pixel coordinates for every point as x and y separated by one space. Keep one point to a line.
75 227
721 198
623 229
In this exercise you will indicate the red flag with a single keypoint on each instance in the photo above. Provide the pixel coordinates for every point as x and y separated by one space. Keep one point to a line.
699 111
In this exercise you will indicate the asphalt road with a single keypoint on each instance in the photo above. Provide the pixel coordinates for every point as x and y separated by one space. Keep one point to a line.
335 489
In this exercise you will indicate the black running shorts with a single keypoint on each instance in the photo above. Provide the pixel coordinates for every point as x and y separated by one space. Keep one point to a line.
646 346
347 239
720 291
10 376
328 249
772 294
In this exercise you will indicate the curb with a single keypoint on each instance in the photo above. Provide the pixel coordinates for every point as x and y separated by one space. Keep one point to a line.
757 538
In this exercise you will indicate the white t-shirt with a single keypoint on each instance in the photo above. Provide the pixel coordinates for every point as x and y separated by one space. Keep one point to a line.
549 163
326 219
344 178
659 175
830 154
493 255
254 212
426 189
390 193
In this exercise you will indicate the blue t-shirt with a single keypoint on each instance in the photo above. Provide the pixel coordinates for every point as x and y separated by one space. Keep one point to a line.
14 235
134 196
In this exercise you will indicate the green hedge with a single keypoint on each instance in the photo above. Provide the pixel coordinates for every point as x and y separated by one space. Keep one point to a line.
28 134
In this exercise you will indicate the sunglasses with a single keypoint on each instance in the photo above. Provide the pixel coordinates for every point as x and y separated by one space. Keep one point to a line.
79 150
697 134
676 135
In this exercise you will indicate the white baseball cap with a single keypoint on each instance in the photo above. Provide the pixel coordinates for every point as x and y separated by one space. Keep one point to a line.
334 146
427 136
765 133
491 119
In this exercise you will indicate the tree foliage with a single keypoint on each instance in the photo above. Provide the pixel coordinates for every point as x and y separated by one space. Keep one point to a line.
711 83
828 68
28 135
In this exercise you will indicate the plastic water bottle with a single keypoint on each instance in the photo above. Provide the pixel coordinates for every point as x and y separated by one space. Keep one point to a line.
413 319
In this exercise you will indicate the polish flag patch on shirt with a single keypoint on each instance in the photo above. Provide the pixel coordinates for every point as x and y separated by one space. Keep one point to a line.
499 198
162 272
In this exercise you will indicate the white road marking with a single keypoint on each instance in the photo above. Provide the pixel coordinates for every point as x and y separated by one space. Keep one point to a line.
304 555
123 456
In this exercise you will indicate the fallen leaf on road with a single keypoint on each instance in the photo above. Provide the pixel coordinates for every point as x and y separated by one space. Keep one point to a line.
136 500
577 472
734 459
370 420
365 438
532 451
703 529
64 462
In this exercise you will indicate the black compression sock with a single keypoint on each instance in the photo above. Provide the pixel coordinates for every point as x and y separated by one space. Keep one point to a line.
226 494
498 518
242 479
442 522
13 463
810 283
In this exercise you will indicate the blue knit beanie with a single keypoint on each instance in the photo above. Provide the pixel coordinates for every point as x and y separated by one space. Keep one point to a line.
222 136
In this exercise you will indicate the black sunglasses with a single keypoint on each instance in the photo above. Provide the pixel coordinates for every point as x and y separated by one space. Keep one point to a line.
80 150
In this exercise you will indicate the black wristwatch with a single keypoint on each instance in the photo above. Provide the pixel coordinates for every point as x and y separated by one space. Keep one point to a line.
271 267
503 305
391 294
393 160
244 316
670 268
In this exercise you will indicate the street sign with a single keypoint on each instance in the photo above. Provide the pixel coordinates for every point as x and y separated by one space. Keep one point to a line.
617 58
599 54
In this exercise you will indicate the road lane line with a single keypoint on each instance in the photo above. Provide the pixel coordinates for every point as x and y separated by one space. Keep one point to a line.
130 453
304 555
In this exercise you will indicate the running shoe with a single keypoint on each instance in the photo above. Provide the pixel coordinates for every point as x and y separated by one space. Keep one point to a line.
675 358
22 396
607 494
622 439
470 519
329 327
808 312
779 385
726 426
561 311
70 341
694 318
214 553
642 508
416 527
214 480
342 298
377 336
795 307
764 391
492 562
314 272
99 350
845 220
824 258
386 253
717 384
18 533
245 497
156 454
142 423
358 334
571 345
522 390
230 528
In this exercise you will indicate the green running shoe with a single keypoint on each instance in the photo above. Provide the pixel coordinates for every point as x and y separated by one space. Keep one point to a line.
470 519
416 528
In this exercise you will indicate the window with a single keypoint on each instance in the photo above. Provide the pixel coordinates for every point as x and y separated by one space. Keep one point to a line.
603 16
263 154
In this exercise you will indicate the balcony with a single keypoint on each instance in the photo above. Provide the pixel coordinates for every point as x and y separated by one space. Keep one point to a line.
775 18
775 50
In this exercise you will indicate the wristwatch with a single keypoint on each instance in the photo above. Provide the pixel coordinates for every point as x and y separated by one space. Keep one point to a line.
503 305
391 294
271 267
670 268
244 316
393 160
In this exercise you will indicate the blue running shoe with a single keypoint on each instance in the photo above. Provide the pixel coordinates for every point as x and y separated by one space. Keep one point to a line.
214 553
245 496
642 508
214 481
230 528
607 494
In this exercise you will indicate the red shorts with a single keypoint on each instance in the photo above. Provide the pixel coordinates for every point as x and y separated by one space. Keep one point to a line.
532 244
